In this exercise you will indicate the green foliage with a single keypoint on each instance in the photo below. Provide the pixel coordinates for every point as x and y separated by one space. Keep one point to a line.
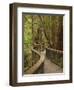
27 40
28 31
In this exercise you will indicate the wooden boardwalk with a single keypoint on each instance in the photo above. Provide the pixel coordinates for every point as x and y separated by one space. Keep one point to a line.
50 67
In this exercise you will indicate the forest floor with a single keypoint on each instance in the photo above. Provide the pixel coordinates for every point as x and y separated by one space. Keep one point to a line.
50 67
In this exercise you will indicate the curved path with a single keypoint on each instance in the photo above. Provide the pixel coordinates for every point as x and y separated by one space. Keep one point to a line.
48 67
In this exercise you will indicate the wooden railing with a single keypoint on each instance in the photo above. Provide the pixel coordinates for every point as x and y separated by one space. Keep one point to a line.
55 50
56 56
35 51
37 65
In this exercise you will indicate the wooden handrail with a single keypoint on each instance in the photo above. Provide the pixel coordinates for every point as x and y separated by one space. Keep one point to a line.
35 51
55 50
36 65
